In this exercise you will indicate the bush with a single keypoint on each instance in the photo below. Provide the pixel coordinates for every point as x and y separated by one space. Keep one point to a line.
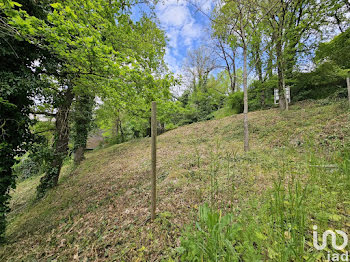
327 80
235 102
26 168
260 95
223 112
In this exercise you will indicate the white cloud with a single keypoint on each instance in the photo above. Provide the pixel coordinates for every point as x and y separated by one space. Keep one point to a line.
172 36
191 32
175 15
165 4
205 5
181 27
171 61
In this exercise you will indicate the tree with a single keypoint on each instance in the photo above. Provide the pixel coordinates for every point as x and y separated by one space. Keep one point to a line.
337 14
19 85
82 123
337 52
198 66
226 51
237 16
91 47
291 24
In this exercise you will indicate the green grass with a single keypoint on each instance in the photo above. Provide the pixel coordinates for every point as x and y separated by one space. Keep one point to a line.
251 206
224 112
278 225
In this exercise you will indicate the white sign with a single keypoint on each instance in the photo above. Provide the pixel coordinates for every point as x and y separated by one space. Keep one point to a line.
288 93
277 97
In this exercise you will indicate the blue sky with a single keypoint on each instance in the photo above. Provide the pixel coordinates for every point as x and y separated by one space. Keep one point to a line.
185 28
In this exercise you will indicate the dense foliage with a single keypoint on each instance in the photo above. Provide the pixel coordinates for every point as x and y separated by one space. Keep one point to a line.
68 67
18 87
71 52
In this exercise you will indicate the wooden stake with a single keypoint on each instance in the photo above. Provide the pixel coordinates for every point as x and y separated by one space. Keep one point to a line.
154 159
348 82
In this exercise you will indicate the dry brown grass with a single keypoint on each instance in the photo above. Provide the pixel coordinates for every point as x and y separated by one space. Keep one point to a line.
100 211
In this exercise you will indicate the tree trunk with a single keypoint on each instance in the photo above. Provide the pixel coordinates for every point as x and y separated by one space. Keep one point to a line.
260 75
234 80
262 97
79 155
282 101
270 63
121 131
245 91
82 117
50 179
117 127
161 128
149 129
232 75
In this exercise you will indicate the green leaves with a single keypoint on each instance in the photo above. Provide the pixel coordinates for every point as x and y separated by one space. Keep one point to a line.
90 43
56 5
337 50
11 4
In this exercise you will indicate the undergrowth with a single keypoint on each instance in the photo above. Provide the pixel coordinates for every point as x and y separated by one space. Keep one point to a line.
281 228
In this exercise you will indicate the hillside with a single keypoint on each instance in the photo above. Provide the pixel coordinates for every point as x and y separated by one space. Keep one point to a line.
100 210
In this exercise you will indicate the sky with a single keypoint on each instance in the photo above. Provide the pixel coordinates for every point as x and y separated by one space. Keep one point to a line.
185 27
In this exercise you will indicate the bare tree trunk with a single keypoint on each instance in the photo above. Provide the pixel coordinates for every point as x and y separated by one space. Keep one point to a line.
245 90
50 179
233 75
227 58
234 80
260 74
270 62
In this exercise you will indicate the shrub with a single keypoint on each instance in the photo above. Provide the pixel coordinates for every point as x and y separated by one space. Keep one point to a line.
235 102
26 168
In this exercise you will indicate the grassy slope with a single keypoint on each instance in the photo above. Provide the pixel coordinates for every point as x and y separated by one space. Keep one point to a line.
100 211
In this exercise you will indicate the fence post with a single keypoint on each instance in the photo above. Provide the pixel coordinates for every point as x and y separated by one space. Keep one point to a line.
348 83
154 159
